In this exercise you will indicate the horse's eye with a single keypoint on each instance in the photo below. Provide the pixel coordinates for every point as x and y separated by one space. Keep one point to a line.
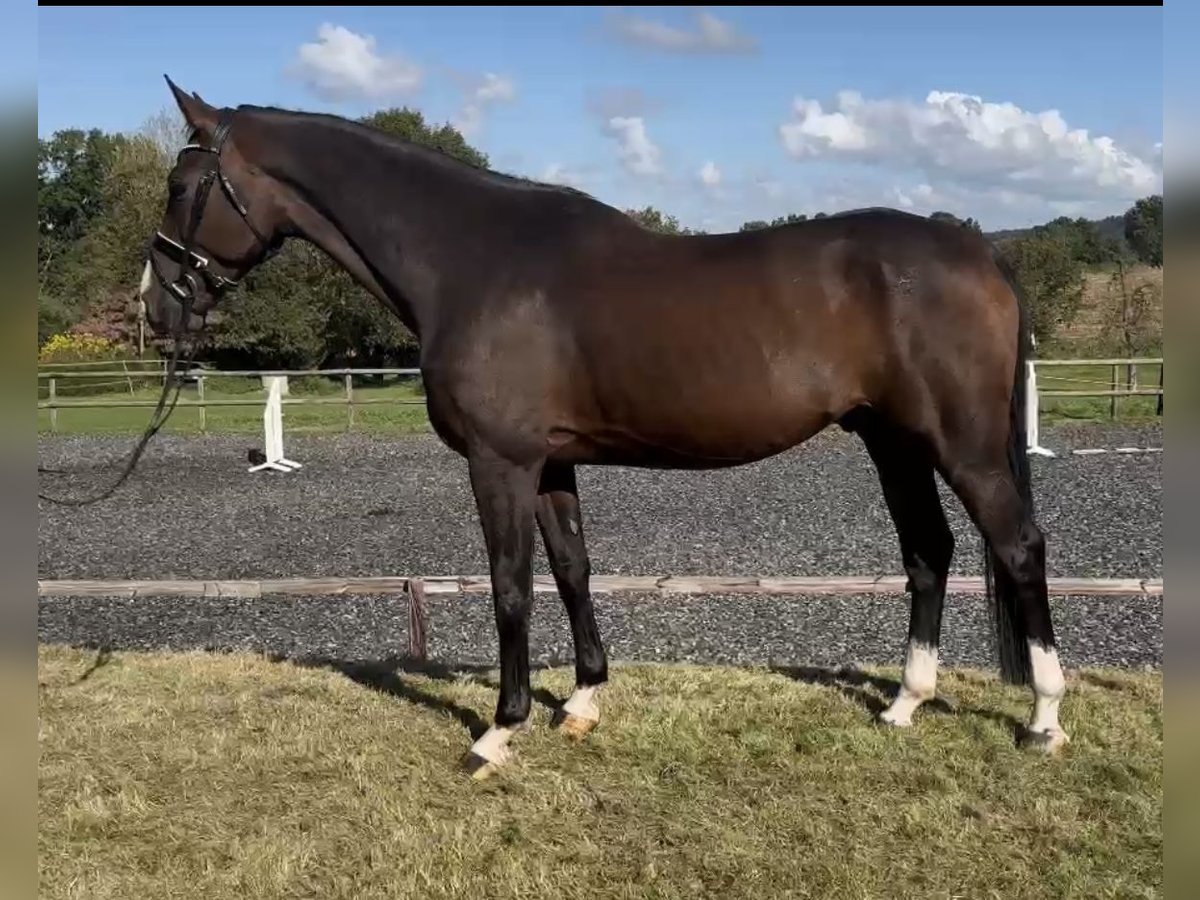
177 189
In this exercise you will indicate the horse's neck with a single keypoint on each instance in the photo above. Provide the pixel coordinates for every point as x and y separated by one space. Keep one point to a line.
390 219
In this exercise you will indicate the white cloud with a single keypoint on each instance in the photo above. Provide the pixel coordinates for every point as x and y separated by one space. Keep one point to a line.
973 142
711 35
709 175
488 91
557 173
619 101
638 154
343 65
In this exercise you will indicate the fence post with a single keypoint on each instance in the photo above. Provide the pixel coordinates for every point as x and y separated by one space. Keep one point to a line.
53 400
200 400
349 401
1162 367
1033 413
1116 381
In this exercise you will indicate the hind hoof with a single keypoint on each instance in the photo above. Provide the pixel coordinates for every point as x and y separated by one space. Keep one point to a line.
575 727
478 768
1049 742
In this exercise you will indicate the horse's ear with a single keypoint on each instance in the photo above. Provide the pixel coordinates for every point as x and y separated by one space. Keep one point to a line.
199 115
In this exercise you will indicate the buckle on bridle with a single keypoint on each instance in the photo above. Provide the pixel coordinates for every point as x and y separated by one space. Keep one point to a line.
187 259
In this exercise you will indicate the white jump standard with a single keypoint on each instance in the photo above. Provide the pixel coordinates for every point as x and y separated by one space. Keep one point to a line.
273 430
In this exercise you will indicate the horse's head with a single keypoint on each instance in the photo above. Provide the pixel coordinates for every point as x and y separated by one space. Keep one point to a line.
223 217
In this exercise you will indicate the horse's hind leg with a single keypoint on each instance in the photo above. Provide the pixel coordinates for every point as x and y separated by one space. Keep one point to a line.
1021 603
906 474
561 524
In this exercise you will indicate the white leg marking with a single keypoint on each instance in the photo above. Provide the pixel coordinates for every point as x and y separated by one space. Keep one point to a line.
918 684
1048 689
582 704
493 746
147 275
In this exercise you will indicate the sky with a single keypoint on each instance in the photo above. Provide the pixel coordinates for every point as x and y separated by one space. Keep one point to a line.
715 115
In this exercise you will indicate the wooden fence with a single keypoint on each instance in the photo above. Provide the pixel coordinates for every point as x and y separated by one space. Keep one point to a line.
1120 380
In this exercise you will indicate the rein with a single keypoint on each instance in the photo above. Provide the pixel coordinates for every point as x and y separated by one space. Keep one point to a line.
183 288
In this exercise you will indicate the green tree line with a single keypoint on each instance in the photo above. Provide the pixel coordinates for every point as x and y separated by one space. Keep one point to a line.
100 197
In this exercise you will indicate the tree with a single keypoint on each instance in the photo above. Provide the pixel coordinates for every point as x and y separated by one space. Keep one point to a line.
1144 230
759 224
943 216
1131 319
656 220
1052 278
1084 240
410 125
72 166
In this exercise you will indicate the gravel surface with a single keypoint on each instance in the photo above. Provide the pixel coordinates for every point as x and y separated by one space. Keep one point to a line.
370 506
366 506
739 629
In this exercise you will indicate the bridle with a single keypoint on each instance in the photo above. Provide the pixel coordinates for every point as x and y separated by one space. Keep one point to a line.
183 288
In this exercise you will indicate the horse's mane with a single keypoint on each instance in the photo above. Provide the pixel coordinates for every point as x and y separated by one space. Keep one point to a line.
387 141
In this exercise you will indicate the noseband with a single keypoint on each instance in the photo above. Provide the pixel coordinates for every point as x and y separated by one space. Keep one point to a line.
184 287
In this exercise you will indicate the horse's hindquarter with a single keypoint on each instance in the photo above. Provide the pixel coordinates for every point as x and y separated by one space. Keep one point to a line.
705 352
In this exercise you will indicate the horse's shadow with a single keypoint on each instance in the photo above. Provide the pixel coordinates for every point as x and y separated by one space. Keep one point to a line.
872 692
385 676
857 686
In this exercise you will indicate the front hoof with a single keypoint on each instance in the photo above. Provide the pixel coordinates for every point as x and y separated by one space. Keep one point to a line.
892 719
1049 742
576 727
478 768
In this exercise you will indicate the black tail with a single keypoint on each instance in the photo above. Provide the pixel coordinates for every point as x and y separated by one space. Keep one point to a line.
1007 618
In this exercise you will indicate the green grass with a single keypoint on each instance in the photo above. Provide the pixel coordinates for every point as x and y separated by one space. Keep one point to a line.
1095 378
403 413
228 776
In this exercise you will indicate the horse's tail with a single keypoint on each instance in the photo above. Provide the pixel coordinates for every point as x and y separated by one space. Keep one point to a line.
1006 613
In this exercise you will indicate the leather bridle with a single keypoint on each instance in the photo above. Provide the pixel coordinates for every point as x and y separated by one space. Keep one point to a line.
184 287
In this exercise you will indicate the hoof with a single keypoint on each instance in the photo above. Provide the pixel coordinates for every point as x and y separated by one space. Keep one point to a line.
479 768
575 727
891 720
1049 742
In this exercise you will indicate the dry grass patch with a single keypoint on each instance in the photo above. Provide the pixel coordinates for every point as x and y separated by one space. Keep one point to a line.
223 776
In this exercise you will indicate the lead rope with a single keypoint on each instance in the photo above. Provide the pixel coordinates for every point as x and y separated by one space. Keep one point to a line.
158 418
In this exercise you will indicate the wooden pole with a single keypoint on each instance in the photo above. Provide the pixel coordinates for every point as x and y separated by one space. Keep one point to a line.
417 648
661 585
200 401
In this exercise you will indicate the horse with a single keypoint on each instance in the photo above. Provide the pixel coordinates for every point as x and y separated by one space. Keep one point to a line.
555 332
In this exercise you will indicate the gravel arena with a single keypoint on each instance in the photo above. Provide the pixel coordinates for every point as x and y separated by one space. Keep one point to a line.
402 506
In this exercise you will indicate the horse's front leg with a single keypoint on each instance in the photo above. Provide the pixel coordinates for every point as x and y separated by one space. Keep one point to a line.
561 524
506 495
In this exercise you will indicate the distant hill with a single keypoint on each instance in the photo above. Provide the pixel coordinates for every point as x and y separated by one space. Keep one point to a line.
1109 227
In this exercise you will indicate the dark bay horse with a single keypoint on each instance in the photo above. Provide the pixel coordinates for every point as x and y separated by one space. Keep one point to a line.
555 331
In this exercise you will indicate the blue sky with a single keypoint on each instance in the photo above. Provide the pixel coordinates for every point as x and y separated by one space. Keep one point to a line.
716 115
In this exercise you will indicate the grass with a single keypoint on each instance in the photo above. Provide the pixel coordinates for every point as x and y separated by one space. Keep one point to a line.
229 776
403 413
1096 378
